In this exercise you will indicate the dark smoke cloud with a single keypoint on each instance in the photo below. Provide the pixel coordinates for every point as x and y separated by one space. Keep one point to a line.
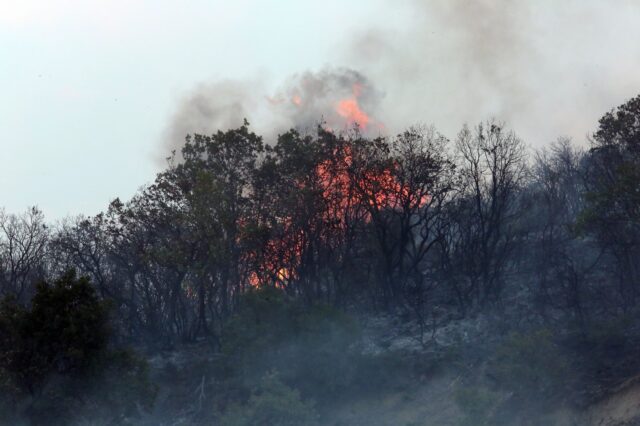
303 102
311 97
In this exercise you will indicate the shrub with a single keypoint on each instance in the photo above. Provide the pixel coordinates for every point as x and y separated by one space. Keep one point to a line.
310 347
55 360
477 405
531 364
271 403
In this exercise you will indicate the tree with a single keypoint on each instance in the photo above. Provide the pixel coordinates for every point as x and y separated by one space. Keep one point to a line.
174 258
63 332
612 213
55 355
563 263
215 182
405 185
23 242
493 169
272 403
312 213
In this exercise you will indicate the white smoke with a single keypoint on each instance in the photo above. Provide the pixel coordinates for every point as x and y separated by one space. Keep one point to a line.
546 68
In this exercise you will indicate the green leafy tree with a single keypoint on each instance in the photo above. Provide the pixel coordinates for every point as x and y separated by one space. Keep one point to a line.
612 213
64 332
272 403
55 356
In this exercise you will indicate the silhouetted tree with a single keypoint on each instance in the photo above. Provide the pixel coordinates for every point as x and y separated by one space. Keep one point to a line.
23 243
493 169
55 354
612 214
564 263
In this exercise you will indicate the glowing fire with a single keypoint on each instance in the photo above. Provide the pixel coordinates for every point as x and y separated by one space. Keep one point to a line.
339 110
346 196
278 266
376 188
350 110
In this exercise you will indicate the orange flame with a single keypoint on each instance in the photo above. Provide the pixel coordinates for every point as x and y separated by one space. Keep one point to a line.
350 110
344 199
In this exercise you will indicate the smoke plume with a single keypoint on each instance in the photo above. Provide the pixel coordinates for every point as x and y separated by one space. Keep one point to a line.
547 69
337 99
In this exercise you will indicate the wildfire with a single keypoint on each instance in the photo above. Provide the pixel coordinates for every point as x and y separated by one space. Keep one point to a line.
350 109
347 197
283 256
376 188
336 108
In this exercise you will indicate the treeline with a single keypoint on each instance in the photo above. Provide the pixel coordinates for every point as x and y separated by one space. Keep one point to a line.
418 223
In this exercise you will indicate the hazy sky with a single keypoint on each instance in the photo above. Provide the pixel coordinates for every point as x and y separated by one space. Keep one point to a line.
89 88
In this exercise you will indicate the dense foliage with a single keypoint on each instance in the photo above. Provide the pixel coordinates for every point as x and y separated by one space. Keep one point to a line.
55 361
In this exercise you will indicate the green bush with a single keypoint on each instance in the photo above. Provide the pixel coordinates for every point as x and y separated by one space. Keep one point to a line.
55 360
122 388
310 347
610 335
526 375
271 403
606 352
531 364
478 405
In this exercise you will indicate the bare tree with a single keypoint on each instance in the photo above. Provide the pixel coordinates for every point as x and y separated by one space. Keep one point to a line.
563 263
493 168
23 243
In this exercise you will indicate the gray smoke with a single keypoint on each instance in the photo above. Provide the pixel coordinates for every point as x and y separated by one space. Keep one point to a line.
311 97
303 102
547 68
208 108
458 61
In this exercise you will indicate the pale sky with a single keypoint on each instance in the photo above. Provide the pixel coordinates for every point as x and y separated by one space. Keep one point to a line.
88 87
